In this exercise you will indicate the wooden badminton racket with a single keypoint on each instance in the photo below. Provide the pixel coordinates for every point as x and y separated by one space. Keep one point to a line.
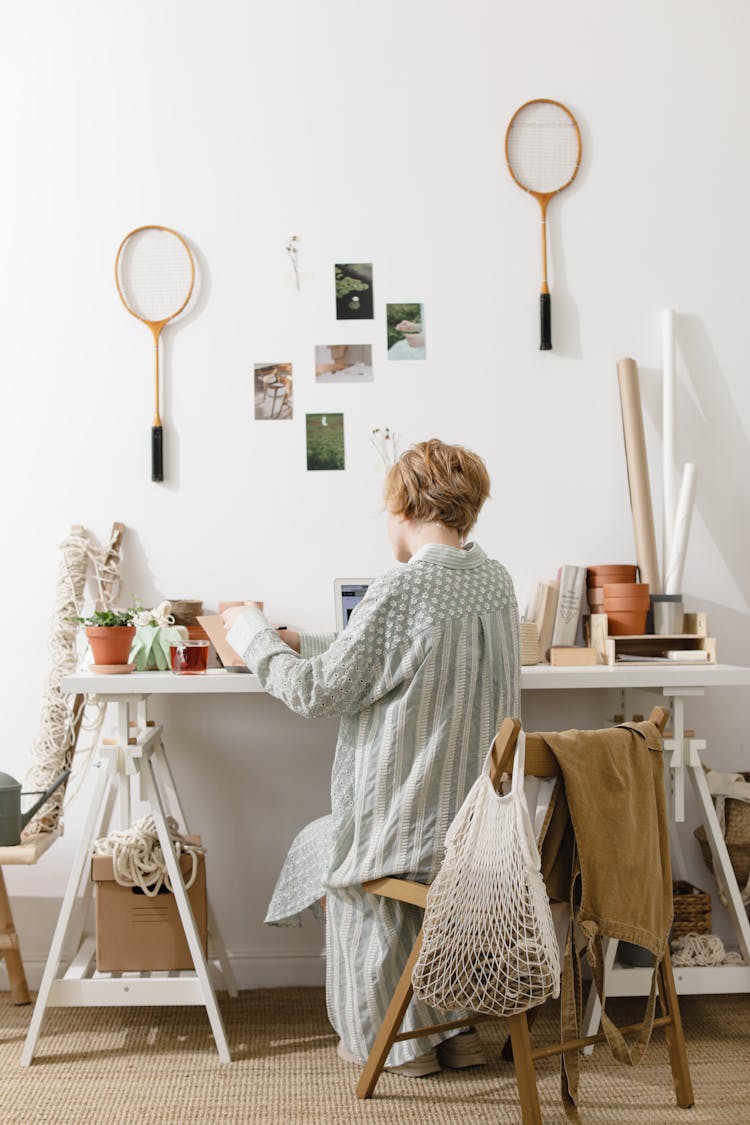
155 274
543 151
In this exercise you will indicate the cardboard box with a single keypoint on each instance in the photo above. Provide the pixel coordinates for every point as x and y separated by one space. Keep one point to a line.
137 933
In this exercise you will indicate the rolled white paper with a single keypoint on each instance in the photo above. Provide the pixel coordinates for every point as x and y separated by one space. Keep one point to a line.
685 504
667 432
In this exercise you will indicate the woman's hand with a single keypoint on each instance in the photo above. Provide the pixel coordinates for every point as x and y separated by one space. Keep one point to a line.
290 637
229 616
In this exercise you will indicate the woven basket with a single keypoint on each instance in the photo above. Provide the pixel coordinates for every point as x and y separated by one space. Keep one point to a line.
185 611
529 642
736 836
692 909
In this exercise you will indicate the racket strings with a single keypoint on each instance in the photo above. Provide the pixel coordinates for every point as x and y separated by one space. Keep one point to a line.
543 148
155 274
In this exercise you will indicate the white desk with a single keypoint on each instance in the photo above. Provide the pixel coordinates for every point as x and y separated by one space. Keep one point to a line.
142 755
538 677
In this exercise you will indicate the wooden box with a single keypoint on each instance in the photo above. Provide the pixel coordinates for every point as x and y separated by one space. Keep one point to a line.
651 645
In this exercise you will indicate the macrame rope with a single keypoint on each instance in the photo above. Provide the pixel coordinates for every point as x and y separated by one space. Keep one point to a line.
702 949
53 748
138 859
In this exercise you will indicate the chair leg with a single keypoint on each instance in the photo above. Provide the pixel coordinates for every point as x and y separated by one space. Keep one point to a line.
675 1035
13 963
507 1051
392 1021
528 1094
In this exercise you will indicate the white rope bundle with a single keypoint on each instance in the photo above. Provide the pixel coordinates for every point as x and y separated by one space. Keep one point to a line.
489 942
138 859
52 750
702 949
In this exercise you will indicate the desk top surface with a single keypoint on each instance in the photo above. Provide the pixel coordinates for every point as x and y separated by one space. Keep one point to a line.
539 677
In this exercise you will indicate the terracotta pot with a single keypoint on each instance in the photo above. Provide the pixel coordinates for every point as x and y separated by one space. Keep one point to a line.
110 644
626 590
596 596
626 605
627 624
598 575
628 608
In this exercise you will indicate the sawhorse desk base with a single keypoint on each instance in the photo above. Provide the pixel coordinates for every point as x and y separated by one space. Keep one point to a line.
140 757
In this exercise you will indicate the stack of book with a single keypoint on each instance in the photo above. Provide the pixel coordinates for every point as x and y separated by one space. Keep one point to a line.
556 609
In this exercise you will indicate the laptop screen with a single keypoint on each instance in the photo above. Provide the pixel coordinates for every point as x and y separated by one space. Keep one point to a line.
348 594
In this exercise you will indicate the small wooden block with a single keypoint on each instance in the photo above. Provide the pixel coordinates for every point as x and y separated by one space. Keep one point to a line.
573 656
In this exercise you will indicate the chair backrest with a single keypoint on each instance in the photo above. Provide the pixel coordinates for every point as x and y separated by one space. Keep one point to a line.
540 761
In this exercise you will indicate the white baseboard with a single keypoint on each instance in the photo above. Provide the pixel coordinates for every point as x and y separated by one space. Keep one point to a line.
253 968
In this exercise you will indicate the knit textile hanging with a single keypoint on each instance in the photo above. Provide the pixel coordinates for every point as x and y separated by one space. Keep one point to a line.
62 716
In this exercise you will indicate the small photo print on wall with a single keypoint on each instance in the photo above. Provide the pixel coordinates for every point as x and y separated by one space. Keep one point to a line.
325 441
273 391
343 363
405 325
354 299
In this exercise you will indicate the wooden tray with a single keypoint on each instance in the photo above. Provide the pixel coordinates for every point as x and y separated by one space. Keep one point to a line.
652 644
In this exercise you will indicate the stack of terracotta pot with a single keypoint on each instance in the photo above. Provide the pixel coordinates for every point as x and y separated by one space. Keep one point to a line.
613 590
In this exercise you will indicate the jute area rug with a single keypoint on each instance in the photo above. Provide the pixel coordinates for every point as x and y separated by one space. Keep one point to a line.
153 1066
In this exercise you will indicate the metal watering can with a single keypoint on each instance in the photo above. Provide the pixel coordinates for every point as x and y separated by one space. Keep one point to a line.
12 820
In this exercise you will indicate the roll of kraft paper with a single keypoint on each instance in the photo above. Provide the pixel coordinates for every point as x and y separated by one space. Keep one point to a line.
681 530
638 482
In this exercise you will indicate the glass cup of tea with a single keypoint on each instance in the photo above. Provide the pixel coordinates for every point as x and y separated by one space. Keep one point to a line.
189 658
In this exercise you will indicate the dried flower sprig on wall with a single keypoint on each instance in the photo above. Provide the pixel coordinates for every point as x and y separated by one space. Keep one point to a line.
292 249
386 443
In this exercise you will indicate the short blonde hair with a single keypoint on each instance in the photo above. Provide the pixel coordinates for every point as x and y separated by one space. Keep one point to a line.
438 483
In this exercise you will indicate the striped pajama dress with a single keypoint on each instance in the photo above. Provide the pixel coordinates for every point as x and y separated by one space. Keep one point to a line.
421 677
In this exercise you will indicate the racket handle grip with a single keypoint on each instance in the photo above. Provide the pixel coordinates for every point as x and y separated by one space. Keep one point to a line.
545 323
157 453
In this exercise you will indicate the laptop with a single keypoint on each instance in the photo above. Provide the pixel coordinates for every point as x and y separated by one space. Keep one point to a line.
347 594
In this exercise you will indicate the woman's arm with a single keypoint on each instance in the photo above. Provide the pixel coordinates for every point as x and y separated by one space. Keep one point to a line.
351 673
313 643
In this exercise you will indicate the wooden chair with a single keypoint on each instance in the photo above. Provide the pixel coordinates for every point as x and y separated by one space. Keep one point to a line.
26 854
540 762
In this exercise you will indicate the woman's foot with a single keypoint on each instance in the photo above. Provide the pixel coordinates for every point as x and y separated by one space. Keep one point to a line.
419 1067
345 1054
464 1049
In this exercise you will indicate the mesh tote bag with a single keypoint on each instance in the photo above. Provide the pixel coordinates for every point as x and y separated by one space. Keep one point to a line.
489 942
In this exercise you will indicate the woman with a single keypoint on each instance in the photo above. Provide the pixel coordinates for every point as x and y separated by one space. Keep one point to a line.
421 676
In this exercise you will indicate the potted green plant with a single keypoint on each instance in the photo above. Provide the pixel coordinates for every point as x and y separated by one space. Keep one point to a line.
110 633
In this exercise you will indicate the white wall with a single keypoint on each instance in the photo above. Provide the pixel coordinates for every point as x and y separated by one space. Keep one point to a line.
374 132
